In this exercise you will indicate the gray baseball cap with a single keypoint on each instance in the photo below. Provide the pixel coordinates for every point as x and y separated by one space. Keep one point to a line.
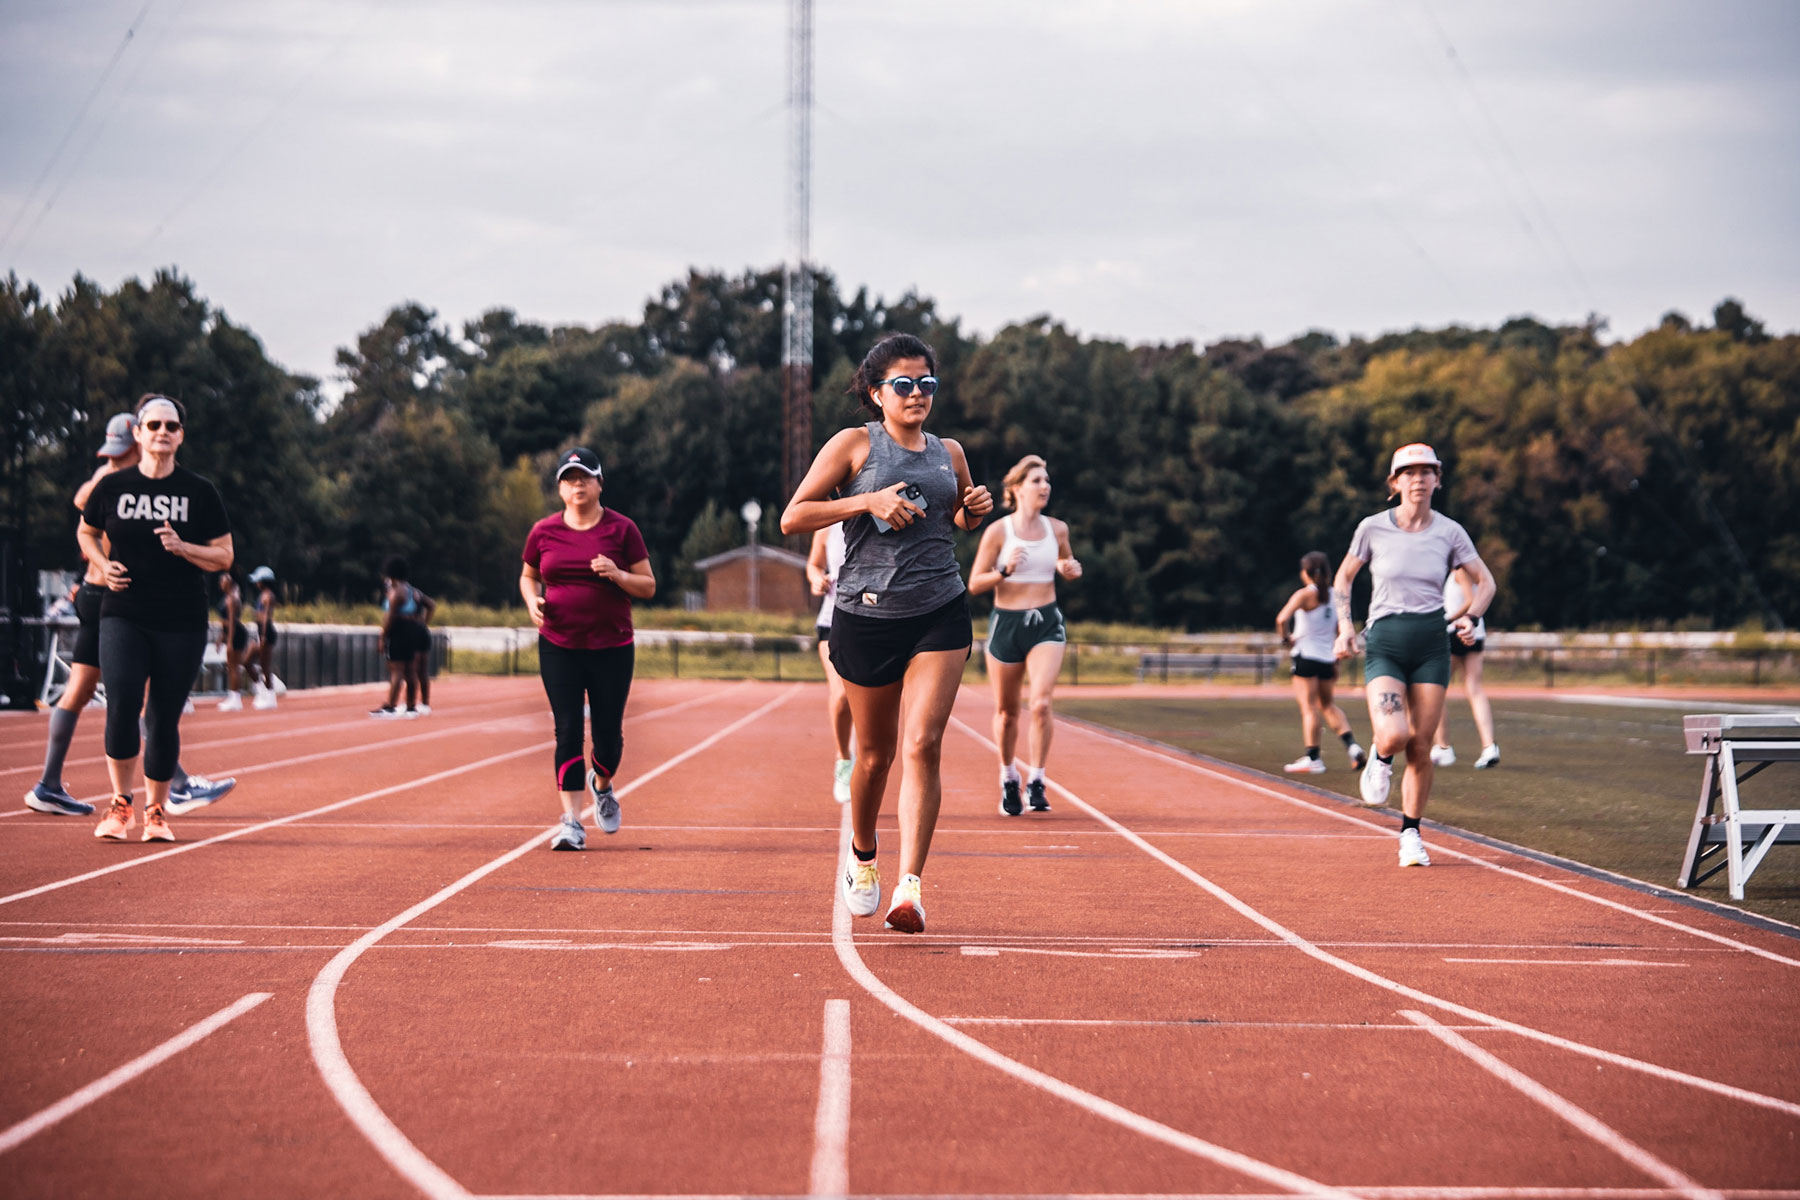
121 436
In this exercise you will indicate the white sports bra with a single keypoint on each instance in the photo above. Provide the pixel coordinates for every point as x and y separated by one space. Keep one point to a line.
1040 555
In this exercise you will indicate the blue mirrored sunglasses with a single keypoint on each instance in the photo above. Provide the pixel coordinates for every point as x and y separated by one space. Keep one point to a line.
903 385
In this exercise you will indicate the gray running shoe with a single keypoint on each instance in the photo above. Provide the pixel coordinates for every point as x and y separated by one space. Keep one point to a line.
199 792
56 802
569 836
606 805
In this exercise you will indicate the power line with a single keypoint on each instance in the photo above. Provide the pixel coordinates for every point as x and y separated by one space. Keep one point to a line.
106 74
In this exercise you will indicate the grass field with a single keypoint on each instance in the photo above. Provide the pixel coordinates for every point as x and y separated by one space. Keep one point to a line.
1606 785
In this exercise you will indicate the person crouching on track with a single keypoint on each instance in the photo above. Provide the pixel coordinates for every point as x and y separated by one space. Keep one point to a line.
186 792
901 633
1315 665
583 568
1019 559
1410 551
406 640
166 529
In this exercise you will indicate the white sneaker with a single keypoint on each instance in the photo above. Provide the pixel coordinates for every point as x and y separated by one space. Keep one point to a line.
1306 764
264 699
1377 778
1443 756
1490 757
606 805
1412 849
187 706
276 685
1358 756
232 703
861 887
908 913
840 780
424 710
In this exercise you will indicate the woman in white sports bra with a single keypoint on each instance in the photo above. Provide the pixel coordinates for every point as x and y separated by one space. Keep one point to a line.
822 567
1019 560
1311 642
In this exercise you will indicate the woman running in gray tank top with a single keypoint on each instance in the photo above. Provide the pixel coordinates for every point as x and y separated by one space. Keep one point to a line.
900 633
1410 551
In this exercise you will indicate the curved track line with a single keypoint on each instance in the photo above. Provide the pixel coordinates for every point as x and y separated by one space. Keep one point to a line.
185 847
845 944
321 999
1579 1117
1381 981
1363 822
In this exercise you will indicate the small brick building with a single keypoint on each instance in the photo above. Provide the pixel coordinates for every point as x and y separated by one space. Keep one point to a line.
780 581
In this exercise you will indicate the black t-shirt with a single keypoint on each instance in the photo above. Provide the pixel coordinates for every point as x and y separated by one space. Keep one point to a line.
167 591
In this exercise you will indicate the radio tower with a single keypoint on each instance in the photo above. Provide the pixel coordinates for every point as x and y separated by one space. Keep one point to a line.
796 275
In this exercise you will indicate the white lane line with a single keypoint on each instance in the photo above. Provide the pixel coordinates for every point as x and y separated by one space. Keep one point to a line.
1568 962
845 945
1381 981
1353 819
830 1176
1197 1023
405 1158
322 809
1580 1118
115 1079
1116 952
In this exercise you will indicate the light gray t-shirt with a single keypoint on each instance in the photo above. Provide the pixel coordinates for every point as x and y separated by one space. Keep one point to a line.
1408 569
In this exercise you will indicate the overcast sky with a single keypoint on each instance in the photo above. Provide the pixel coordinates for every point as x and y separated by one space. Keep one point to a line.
1149 170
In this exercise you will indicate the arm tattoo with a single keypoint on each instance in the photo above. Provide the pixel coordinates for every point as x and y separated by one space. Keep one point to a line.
1340 596
1390 703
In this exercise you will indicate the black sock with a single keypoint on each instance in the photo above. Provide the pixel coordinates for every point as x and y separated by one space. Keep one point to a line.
1312 752
1348 737
1386 758
862 855
1407 823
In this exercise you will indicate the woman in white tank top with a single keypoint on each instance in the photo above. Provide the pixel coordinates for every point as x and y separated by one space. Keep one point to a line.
1459 594
822 567
1019 560
1315 665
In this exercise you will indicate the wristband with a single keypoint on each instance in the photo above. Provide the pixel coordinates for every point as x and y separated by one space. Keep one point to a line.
1004 573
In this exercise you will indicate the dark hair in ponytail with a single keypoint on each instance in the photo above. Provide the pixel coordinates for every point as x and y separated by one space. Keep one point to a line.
1316 567
883 354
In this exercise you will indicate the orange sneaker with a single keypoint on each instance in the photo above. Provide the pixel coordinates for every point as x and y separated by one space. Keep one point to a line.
117 821
156 829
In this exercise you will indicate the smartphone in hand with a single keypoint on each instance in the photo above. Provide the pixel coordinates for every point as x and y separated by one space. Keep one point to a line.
912 495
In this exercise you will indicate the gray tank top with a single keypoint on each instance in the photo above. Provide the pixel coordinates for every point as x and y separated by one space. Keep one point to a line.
911 570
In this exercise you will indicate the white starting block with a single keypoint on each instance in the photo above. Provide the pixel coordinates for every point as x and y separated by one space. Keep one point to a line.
1745 835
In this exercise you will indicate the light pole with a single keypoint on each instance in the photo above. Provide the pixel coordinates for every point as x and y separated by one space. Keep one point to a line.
752 513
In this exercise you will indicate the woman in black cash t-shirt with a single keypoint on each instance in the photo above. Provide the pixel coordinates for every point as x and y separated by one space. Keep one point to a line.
164 530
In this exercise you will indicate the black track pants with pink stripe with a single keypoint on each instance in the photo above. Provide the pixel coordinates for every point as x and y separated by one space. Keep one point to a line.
602 680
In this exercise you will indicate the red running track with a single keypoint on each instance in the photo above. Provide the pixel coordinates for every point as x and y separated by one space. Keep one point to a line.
362 975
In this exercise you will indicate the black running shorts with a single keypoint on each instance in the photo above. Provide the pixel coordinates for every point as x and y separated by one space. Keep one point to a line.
1458 649
1312 668
87 638
874 651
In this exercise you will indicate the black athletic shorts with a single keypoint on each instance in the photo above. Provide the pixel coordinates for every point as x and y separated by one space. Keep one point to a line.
1312 668
409 638
269 635
823 632
874 651
240 637
87 638
1459 650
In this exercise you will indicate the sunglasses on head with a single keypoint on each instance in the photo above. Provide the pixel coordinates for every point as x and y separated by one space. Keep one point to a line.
156 425
903 385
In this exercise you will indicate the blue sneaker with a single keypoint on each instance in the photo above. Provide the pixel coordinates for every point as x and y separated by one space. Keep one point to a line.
197 793
57 802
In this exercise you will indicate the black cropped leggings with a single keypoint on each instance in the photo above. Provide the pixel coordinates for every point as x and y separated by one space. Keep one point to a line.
132 659
602 680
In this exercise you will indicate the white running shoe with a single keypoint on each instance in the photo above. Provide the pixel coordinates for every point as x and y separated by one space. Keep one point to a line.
1306 764
1412 849
1443 756
187 706
424 710
861 887
276 685
840 780
233 702
1490 757
264 699
569 836
1358 756
1377 778
908 913
606 805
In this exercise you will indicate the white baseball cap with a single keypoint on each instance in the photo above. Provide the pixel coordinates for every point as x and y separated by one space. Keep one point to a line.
1416 454
120 437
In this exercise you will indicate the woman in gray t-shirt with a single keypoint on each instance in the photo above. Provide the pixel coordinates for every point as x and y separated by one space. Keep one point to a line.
1410 551
900 632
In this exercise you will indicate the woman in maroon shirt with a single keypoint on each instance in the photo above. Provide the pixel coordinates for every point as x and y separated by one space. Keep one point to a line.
583 567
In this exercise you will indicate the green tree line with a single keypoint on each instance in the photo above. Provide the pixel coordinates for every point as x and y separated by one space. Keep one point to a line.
1645 482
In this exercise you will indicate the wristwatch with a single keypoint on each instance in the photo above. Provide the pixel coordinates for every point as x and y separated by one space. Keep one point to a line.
1004 573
